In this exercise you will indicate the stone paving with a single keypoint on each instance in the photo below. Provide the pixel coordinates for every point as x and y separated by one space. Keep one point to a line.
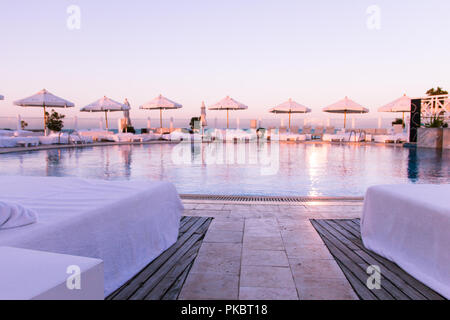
267 251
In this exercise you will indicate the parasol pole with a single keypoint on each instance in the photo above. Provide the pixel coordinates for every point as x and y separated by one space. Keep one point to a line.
345 118
45 122
228 123
106 119
289 120
160 118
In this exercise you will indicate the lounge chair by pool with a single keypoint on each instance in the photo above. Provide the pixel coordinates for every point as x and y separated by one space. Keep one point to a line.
126 224
409 225
11 142
318 132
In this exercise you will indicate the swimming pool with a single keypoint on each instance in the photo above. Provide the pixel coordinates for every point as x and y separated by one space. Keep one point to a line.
243 169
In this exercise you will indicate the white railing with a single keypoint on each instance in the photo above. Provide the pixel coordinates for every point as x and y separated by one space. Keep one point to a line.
436 105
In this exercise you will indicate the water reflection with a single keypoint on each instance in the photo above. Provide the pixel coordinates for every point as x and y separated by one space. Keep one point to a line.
413 165
289 169
126 159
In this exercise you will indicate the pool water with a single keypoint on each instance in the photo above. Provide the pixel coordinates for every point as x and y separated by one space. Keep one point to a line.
243 169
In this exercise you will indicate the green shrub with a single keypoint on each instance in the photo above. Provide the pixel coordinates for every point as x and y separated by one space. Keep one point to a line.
54 121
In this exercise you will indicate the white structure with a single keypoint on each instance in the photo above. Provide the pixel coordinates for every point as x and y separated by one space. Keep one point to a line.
105 105
228 104
161 103
149 124
345 106
126 113
436 105
19 122
38 275
44 99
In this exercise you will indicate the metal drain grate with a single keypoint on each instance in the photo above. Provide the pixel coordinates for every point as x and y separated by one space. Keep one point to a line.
284 199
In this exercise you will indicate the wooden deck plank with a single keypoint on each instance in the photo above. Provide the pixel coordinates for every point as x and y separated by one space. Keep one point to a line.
346 257
346 247
347 225
352 226
343 239
397 281
362 291
175 272
395 269
143 289
174 291
164 277
189 223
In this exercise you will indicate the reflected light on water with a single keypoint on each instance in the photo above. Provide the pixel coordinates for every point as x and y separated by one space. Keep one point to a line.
295 169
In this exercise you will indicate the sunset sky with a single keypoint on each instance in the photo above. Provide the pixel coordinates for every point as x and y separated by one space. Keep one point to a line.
259 52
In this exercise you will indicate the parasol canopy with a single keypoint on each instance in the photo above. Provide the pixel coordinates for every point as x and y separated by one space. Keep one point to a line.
161 103
290 107
105 105
228 104
402 105
345 106
44 99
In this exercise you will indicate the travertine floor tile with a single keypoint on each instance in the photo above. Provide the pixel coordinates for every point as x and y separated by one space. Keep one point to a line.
326 289
223 236
261 276
315 269
210 206
261 293
263 242
227 224
210 286
275 258
222 258
308 252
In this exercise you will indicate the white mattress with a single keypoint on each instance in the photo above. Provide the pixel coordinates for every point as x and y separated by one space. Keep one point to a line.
410 225
124 223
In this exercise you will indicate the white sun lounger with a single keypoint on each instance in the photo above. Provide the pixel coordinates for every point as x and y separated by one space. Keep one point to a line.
292 137
126 224
11 142
398 137
410 224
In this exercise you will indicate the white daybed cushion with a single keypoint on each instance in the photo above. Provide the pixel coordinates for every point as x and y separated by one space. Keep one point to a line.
178 136
149 137
46 140
410 225
334 137
87 139
26 133
13 215
33 141
6 133
383 138
8 142
126 224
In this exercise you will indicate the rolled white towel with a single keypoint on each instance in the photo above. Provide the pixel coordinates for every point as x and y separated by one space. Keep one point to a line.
14 215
